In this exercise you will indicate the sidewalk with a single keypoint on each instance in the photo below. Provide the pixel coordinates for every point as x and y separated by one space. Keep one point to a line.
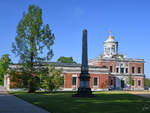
3 91
12 104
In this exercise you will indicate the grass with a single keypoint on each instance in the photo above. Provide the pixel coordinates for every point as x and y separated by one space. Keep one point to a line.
104 102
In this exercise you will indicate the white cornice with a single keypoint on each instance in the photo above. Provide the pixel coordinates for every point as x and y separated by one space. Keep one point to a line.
117 59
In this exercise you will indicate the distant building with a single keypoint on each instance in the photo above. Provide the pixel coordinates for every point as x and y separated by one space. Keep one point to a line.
110 70
124 72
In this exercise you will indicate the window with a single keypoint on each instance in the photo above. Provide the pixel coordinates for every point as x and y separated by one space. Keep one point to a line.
95 81
117 70
113 49
111 69
126 70
139 69
122 70
111 82
62 80
121 65
132 83
73 81
107 50
139 82
122 84
133 70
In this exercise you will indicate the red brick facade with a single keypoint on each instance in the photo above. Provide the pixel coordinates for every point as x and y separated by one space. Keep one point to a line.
102 80
105 79
113 63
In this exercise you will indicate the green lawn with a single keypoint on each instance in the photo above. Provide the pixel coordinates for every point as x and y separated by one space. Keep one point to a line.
104 102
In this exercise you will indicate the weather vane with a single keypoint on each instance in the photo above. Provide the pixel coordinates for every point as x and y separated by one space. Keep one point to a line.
111 32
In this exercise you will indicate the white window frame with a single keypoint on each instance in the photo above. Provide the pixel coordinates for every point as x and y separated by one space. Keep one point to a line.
95 86
75 75
126 68
116 69
63 74
138 69
134 83
140 82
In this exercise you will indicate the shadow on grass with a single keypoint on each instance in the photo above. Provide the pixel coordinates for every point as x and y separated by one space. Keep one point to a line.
63 102
47 92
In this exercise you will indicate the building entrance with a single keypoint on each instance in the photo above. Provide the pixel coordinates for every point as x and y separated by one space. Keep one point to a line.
122 83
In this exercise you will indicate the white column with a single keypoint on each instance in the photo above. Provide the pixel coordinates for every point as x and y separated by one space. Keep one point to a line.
5 81
8 83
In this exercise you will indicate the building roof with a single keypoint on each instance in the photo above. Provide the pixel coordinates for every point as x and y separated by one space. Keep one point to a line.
58 64
117 58
67 67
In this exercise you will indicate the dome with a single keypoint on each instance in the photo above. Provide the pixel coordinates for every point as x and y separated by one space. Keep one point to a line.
110 38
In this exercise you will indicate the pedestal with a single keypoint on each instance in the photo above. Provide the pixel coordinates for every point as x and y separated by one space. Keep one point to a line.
84 90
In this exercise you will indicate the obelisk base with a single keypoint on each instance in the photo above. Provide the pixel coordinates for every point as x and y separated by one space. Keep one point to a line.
84 92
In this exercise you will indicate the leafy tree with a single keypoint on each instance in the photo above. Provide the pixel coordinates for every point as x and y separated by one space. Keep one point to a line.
51 79
130 81
33 43
147 82
4 64
63 59
22 79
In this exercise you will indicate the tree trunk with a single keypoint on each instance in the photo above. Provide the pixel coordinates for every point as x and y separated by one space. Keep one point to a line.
32 87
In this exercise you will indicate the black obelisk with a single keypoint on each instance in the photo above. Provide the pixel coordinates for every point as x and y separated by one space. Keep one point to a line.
84 89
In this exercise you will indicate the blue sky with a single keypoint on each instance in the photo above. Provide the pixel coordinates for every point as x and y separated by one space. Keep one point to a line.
128 19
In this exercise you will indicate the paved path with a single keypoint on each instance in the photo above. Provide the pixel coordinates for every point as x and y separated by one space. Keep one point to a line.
145 94
3 91
12 104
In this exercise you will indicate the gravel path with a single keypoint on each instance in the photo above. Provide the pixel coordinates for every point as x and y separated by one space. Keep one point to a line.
145 94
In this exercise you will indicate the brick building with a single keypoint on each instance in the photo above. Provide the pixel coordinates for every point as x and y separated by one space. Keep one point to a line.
124 72
110 70
98 81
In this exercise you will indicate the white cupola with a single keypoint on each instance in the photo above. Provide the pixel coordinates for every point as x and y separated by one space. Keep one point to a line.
110 46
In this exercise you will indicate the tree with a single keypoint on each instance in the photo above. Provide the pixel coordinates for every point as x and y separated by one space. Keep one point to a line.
63 59
33 43
130 81
51 79
4 64
147 82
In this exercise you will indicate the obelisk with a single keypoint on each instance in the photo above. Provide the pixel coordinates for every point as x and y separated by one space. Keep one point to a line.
84 89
